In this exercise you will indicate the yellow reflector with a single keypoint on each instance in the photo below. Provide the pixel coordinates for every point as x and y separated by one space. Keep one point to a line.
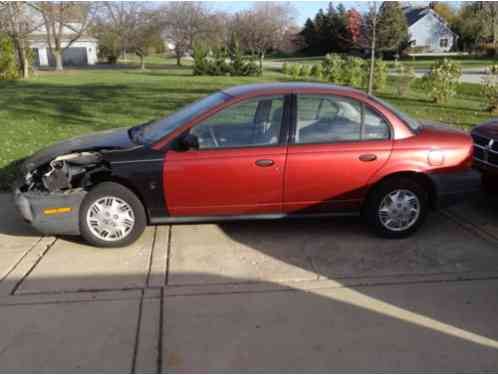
53 211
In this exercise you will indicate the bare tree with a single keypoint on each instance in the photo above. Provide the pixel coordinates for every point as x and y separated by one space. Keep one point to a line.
65 22
126 26
182 24
263 27
17 21
369 38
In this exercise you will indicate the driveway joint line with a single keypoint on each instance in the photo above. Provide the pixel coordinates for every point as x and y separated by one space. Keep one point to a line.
159 360
137 333
470 227
323 285
21 259
33 266
168 255
151 257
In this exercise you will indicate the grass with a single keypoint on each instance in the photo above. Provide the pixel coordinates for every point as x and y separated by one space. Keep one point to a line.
54 106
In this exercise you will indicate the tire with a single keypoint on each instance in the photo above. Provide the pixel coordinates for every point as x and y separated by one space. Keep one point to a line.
98 216
379 208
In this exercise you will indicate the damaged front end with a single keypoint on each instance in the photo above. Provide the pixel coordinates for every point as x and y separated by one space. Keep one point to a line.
49 196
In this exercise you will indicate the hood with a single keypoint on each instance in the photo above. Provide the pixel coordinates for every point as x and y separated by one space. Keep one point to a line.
109 139
488 129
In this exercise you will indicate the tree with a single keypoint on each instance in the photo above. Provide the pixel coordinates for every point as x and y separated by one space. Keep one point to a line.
354 22
126 26
444 10
469 26
63 20
182 24
17 21
263 27
392 29
8 66
369 39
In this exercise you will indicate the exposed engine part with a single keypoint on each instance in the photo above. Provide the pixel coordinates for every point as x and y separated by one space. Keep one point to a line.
63 172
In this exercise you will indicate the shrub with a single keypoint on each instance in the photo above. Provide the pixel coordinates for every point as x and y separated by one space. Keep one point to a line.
333 67
219 65
406 76
380 75
442 80
305 71
239 65
222 62
489 90
317 71
493 69
285 68
201 64
295 70
8 66
355 72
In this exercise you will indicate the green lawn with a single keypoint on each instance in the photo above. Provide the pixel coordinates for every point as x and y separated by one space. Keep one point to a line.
54 106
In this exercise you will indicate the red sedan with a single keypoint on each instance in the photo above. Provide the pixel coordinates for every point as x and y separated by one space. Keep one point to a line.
262 151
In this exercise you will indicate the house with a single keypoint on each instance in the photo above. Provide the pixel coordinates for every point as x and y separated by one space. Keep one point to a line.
428 31
81 52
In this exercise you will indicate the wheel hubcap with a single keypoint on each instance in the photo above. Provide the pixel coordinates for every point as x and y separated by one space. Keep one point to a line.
399 210
110 218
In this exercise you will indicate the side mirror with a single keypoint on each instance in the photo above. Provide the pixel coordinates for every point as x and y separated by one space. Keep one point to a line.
190 142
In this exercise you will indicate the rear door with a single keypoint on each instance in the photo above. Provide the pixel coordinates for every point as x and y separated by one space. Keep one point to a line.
239 166
337 144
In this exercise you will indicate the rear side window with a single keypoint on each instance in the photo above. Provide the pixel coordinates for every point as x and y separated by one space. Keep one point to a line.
333 119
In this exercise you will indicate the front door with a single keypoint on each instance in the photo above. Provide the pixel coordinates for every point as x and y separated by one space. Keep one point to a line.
238 168
338 144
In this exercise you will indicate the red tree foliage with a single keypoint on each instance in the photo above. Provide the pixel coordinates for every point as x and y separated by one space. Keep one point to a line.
354 22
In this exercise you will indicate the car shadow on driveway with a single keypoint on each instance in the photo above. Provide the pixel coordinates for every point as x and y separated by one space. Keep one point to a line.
441 326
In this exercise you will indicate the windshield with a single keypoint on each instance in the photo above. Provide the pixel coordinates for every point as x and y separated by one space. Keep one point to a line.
411 122
154 131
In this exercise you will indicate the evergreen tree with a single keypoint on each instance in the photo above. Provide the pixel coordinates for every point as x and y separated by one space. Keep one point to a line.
392 29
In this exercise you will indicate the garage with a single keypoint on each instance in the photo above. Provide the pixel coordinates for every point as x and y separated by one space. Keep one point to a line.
73 56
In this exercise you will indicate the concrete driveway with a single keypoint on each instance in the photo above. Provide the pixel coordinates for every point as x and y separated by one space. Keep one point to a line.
296 295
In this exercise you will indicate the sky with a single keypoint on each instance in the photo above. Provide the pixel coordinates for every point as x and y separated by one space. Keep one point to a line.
304 9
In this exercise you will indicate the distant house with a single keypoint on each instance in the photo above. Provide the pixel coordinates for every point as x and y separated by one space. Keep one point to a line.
80 53
428 31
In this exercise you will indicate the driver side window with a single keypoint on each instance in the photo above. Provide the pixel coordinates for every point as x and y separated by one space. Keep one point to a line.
255 122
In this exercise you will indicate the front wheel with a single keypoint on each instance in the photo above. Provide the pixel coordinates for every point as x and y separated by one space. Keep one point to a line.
397 208
111 216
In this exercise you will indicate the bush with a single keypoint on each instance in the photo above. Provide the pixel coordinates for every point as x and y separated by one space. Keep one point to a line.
380 75
222 62
406 76
295 70
333 68
317 71
489 90
285 68
305 71
201 64
355 72
8 65
442 80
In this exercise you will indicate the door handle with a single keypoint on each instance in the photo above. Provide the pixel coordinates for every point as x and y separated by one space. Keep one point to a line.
368 157
264 163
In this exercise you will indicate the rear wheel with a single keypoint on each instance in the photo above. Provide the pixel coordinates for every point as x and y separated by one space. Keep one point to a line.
111 216
397 208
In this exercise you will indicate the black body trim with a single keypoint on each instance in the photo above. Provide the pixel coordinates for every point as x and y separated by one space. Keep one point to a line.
452 187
